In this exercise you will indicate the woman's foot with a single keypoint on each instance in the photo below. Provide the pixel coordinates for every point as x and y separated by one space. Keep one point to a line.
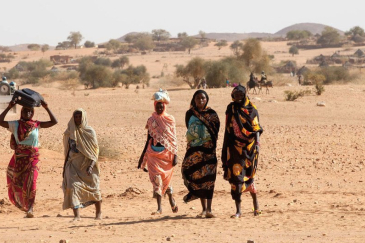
175 209
98 216
209 215
202 214
158 212
236 216
257 212
30 214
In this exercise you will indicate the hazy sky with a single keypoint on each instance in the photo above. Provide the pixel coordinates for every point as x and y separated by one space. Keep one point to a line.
50 21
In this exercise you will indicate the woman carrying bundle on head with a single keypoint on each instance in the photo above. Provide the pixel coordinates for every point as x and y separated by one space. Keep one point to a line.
160 152
241 147
199 167
22 172
81 169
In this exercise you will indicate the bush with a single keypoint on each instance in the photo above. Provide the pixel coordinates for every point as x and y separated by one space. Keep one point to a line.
103 62
319 88
293 95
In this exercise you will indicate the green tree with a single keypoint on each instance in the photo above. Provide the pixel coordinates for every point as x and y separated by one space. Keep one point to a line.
221 44
113 45
236 47
195 69
251 50
329 36
182 35
160 35
98 76
75 38
121 62
189 42
144 42
89 44
202 34
357 30
135 75
63 45
293 50
33 47
298 34
130 38
44 48
103 62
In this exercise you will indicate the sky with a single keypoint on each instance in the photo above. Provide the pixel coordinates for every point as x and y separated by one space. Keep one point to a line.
50 21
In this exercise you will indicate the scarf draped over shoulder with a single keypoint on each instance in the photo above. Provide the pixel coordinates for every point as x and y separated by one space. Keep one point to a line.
84 136
162 129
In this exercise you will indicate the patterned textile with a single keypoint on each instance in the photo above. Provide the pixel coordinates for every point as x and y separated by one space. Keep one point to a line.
239 156
22 171
199 167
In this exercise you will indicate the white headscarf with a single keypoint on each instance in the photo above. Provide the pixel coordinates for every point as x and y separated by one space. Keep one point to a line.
84 136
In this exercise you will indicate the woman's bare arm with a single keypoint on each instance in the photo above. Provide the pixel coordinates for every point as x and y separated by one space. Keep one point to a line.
53 120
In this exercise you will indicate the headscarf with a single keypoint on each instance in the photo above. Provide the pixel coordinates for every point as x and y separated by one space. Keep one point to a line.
26 127
208 116
84 136
192 103
245 113
162 127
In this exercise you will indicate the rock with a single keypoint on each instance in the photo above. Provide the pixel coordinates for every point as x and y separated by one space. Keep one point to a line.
59 215
256 98
289 85
168 238
64 241
273 101
250 241
192 208
321 103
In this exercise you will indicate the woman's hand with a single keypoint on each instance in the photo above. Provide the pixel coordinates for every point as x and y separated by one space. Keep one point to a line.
257 147
174 162
12 103
44 104
89 169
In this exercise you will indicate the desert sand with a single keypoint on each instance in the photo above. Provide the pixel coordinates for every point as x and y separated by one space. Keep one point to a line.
309 179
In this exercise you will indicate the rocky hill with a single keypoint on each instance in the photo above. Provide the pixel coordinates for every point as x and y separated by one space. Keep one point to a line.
312 27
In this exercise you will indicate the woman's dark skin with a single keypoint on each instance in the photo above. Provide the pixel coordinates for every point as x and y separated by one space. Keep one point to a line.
89 170
159 110
27 114
239 97
200 103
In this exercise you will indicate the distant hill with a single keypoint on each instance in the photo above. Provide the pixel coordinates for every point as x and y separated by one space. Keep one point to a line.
312 27
237 36
121 39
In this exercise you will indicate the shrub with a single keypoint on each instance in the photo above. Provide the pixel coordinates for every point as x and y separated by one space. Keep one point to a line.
319 88
293 95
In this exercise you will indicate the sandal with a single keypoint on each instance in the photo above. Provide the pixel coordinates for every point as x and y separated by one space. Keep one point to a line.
202 214
257 212
156 213
209 215
175 209
236 216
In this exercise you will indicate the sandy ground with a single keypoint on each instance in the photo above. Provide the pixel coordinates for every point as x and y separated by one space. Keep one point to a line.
310 177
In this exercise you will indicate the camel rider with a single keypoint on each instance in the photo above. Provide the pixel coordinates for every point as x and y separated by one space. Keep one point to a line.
4 80
263 77
252 77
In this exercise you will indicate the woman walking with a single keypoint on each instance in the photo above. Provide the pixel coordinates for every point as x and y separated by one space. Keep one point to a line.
241 148
160 152
81 170
22 171
199 167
